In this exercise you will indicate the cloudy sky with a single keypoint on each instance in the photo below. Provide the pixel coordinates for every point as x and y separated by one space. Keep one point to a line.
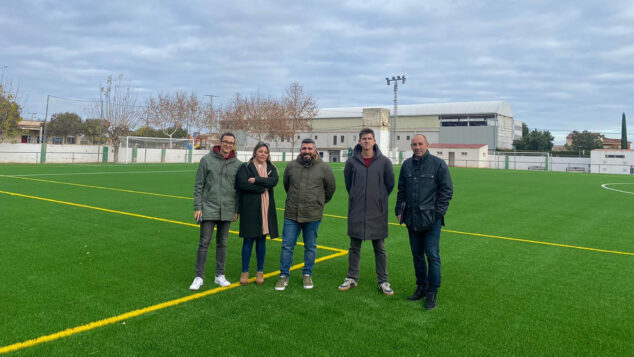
561 65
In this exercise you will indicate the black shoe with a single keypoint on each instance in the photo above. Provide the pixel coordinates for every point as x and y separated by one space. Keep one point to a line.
430 301
418 294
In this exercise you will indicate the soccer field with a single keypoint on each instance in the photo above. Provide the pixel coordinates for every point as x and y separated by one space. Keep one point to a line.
97 259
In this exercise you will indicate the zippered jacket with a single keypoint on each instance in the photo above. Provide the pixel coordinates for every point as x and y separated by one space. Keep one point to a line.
368 190
425 186
214 191
309 186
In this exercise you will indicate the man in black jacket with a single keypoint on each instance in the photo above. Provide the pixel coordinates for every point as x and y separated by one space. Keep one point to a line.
424 192
369 182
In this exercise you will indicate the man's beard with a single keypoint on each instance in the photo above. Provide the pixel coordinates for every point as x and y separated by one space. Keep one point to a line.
307 158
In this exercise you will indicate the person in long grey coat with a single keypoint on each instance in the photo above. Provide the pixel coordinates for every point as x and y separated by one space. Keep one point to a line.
369 182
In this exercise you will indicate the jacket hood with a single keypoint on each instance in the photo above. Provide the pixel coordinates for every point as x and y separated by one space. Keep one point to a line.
232 154
358 149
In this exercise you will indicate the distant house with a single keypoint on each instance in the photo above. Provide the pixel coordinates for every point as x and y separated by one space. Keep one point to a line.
462 155
608 143
30 132
206 141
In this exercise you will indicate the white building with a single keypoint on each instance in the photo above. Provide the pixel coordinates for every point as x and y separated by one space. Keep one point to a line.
612 161
462 155
335 130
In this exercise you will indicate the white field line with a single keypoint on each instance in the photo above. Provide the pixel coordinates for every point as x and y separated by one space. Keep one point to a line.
605 185
104 173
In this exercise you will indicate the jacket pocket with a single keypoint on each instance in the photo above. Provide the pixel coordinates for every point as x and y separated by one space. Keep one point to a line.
427 218
420 218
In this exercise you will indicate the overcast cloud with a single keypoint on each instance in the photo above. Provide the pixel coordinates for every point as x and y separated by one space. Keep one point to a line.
561 65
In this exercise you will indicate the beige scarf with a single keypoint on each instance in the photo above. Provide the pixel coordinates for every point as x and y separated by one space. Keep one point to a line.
265 198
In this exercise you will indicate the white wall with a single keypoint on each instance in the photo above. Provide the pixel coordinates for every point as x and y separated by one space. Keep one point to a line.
30 153
475 157
607 161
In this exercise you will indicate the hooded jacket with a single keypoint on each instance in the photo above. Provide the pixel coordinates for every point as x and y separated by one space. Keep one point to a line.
368 190
309 186
214 190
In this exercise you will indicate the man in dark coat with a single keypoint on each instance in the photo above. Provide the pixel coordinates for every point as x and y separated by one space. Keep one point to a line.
424 192
369 182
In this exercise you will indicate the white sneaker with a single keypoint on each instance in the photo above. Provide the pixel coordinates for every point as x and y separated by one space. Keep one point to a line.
221 280
198 282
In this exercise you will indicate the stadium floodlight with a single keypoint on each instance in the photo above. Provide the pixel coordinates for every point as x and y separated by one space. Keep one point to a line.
393 146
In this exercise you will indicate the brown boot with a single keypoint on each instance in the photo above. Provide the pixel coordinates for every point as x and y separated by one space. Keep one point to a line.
259 278
244 278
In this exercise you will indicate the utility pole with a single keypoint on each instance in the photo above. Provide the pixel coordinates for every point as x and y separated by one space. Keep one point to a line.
393 145
211 106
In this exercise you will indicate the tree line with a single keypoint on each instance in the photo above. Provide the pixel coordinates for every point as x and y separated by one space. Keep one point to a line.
176 115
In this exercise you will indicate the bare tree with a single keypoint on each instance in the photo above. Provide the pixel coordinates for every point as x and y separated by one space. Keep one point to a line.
200 116
171 113
233 114
118 103
259 117
300 108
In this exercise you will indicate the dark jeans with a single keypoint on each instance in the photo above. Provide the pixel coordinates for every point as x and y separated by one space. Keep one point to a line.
380 259
260 252
206 229
289 239
426 244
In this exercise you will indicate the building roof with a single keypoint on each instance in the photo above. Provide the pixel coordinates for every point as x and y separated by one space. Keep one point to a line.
610 141
29 124
457 146
499 107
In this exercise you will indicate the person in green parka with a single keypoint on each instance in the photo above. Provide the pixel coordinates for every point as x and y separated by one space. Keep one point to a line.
215 204
255 182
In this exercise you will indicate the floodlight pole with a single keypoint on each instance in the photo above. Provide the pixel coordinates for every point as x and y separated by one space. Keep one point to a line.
393 145
211 106
48 96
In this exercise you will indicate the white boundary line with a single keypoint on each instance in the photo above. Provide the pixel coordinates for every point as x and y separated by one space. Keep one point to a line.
605 185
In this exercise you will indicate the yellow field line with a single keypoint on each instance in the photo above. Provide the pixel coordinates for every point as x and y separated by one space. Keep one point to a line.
538 242
100 209
98 187
128 315
391 223
135 313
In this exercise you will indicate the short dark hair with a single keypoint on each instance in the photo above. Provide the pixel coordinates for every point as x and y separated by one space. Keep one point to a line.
365 131
227 134
308 141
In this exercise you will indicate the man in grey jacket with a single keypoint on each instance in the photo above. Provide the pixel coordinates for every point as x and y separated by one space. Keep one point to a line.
309 184
215 204
369 182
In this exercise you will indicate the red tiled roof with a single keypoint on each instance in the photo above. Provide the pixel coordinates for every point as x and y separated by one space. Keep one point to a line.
457 146
613 141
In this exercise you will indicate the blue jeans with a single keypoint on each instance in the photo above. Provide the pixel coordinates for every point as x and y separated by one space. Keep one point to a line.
289 239
426 244
260 252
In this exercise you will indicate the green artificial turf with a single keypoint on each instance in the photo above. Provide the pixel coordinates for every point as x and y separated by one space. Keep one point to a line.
63 266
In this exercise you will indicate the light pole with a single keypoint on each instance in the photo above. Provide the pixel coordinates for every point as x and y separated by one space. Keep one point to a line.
393 145
211 110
